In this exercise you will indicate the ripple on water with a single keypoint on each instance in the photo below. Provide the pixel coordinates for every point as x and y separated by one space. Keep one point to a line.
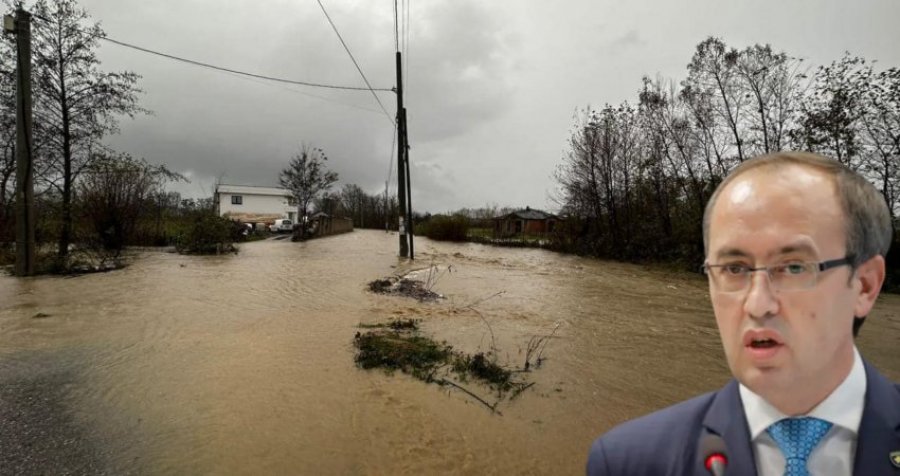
244 363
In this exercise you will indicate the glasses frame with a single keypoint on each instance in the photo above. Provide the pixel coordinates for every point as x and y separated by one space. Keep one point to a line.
820 267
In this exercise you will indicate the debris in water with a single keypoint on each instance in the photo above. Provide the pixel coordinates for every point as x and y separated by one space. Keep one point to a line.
404 287
396 324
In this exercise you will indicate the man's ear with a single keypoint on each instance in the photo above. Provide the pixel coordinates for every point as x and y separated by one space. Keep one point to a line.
870 276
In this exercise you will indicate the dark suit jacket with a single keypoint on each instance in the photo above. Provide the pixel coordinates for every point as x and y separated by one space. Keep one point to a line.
665 442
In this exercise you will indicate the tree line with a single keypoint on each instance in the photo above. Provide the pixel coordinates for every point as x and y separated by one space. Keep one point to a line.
75 105
635 177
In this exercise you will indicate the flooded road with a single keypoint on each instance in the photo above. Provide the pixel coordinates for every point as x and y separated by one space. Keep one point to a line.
244 364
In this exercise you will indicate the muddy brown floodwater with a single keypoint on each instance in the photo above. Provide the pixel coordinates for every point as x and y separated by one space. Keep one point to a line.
244 364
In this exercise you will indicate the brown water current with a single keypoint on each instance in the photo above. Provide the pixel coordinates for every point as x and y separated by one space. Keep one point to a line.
243 364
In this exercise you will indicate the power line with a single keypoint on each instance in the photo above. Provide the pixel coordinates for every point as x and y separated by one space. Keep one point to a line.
354 61
229 70
242 73
323 98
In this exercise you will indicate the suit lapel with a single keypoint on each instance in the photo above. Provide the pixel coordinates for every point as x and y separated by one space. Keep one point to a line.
725 418
879 430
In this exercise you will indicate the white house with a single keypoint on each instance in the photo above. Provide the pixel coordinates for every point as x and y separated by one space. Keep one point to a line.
250 204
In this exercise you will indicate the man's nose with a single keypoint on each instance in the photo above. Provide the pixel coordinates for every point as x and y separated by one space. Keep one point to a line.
761 300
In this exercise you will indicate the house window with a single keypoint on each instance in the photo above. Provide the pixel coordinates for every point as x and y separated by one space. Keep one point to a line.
237 200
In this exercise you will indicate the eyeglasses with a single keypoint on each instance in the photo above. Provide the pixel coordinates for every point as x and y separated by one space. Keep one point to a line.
790 276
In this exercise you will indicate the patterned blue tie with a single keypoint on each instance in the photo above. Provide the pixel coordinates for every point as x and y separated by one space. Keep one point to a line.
796 437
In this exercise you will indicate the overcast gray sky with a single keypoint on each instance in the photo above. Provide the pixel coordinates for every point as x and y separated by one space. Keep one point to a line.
491 87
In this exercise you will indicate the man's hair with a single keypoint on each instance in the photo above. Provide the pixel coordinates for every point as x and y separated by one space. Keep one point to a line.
867 220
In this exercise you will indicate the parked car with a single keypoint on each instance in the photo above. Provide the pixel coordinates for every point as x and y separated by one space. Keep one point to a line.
281 225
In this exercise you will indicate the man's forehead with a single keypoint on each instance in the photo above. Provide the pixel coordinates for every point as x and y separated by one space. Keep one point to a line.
776 210
785 187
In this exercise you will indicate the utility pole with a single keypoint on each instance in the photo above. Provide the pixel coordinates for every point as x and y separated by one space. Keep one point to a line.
401 165
21 26
409 221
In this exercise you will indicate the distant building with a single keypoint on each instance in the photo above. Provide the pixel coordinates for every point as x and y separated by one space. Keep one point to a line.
525 221
250 204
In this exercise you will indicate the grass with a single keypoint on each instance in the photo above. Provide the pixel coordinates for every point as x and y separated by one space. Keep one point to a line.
398 346
412 354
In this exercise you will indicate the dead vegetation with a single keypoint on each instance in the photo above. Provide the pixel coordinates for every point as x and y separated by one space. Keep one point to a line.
408 286
398 345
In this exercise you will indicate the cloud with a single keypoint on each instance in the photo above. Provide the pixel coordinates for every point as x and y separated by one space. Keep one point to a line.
461 68
629 39
490 86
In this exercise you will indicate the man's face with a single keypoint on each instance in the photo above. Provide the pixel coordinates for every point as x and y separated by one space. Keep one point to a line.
783 345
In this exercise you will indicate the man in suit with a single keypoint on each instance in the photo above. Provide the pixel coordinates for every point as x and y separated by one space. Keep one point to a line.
795 246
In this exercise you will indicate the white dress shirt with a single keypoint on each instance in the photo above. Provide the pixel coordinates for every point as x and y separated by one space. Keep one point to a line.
835 452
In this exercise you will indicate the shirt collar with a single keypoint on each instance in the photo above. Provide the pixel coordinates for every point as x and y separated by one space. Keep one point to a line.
843 407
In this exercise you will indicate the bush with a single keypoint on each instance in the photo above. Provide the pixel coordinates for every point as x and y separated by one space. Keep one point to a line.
209 234
444 228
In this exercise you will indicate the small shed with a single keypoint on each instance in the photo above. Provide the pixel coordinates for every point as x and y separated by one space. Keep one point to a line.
323 224
527 221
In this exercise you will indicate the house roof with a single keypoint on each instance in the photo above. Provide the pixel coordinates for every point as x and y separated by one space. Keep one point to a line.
252 190
528 213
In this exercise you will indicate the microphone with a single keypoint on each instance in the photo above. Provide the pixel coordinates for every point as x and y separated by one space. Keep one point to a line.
712 449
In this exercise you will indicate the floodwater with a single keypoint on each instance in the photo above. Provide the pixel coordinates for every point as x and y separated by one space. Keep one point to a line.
243 364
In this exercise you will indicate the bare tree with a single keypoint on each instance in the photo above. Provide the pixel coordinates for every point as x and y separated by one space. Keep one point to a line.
76 103
354 201
713 70
115 192
306 177
880 132
773 81
7 135
829 119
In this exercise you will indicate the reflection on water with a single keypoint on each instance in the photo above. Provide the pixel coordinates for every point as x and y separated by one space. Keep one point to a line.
244 364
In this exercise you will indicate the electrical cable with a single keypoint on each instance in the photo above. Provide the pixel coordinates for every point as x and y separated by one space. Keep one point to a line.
354 61
323 98
229 70
243 73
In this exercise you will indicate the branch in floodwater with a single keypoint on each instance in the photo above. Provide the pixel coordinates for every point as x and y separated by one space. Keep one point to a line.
493 407
479 301
537 345
471 307
541 353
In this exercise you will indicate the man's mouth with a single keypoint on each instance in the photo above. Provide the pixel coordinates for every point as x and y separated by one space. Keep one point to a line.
763 343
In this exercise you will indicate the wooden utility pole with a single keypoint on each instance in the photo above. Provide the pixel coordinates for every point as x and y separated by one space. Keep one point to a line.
21 26
401 164
409 221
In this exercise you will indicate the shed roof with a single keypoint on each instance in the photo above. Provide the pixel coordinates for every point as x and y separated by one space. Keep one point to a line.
528 213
